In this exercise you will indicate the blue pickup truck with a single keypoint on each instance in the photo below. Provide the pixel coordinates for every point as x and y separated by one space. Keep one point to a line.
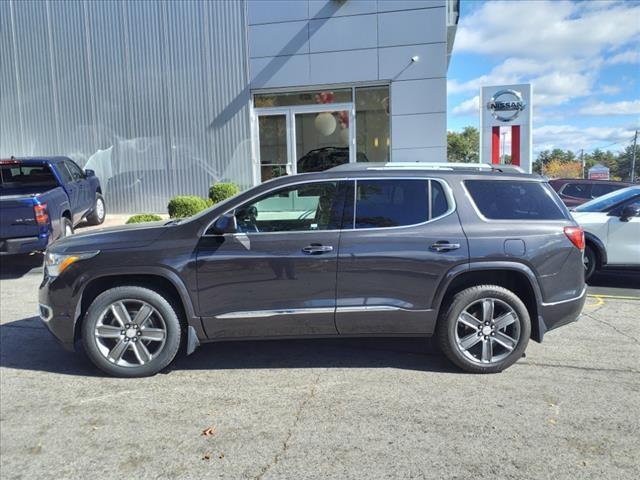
43 199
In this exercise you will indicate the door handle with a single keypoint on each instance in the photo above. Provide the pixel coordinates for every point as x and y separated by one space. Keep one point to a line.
444 246
317 249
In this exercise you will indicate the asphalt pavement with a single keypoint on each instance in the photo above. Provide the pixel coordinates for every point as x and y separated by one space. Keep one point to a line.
378 408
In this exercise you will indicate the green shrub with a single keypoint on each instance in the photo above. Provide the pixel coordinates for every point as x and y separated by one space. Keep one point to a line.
222 191
186 206
144 217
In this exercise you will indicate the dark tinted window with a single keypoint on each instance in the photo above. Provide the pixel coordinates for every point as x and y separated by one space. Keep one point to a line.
391 203
599 189
577 190
439 204
514 200
15 176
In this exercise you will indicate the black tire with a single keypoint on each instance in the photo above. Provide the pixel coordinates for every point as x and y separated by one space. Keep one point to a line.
66 227
590 262
94 218
160 359
448 327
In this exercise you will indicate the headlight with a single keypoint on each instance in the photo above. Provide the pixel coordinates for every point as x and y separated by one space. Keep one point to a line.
56 263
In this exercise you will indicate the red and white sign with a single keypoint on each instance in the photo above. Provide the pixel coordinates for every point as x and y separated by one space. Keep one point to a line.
506 125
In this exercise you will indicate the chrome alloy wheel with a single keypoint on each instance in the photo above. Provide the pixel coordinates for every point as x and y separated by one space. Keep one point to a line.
487 331
100 208
130 333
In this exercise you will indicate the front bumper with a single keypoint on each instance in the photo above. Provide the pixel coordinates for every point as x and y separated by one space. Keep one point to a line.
53 314
15 246
557 314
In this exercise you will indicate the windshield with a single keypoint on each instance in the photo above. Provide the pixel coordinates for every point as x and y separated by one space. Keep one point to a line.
606 202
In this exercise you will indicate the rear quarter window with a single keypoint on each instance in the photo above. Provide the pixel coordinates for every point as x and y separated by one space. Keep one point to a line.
514 200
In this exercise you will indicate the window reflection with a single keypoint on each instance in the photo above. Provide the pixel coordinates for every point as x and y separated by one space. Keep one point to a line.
372 124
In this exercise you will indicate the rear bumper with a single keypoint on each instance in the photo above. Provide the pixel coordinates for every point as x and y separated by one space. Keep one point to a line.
14 246
557 314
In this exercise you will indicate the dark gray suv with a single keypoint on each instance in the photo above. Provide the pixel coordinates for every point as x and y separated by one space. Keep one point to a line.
480 258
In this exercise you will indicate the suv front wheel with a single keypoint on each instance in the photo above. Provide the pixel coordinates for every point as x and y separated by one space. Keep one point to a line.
131 331
485 329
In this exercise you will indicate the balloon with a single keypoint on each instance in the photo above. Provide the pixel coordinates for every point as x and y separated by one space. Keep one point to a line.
325 123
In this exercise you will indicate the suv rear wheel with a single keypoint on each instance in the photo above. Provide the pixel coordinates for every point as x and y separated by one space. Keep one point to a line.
131 331
485 329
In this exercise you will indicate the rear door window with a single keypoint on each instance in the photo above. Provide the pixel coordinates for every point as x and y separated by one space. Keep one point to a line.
397 203
515 200
577 190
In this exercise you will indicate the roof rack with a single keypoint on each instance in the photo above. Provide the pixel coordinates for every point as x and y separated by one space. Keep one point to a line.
450 166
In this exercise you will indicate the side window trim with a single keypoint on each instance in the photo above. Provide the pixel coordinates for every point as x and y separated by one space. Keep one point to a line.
448 193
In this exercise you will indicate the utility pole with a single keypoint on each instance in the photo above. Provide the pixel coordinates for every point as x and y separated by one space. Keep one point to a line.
582 161
633 157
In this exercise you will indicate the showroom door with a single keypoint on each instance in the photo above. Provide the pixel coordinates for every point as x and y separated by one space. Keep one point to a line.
323 136
304 138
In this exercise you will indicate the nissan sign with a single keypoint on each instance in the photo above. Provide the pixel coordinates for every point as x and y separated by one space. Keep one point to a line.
506 105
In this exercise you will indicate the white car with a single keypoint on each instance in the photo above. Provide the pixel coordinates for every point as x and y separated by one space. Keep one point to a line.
611 226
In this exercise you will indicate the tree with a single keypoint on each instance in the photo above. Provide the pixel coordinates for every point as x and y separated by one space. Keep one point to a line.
556 168
463 146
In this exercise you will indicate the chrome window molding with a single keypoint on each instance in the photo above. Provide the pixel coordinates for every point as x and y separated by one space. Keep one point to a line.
445 186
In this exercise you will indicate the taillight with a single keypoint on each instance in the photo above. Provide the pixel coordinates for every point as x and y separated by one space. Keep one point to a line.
41 214
576 235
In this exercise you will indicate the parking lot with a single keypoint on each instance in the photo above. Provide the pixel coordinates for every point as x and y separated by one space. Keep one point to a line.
380 408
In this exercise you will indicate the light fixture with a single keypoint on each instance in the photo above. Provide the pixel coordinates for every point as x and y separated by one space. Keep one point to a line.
388 142
375 142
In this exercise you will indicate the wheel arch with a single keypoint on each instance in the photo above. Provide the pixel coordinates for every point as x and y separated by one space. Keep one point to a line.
166 283
598 246
513 276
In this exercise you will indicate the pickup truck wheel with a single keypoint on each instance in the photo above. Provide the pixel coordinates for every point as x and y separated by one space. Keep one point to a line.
66 227
485 329
131 331
99 211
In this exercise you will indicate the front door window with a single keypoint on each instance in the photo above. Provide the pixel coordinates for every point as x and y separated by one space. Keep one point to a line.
299 208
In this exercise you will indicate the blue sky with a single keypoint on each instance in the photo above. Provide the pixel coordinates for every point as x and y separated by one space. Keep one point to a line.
582 58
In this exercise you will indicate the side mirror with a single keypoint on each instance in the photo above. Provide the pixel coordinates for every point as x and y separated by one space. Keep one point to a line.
89 173
628 212
225 224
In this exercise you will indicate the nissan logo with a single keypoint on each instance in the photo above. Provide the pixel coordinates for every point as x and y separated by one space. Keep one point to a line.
506 105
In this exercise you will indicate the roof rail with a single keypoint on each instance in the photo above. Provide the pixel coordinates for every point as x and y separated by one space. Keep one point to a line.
451 166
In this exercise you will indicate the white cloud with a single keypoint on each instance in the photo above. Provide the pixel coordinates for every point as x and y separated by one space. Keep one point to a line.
630 56
575 138
543 29
468 107
625 107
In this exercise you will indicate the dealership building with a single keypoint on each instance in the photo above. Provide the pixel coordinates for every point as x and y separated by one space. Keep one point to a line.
167 98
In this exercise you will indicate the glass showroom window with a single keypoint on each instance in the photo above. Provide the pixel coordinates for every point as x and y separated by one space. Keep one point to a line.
373 138
316 130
